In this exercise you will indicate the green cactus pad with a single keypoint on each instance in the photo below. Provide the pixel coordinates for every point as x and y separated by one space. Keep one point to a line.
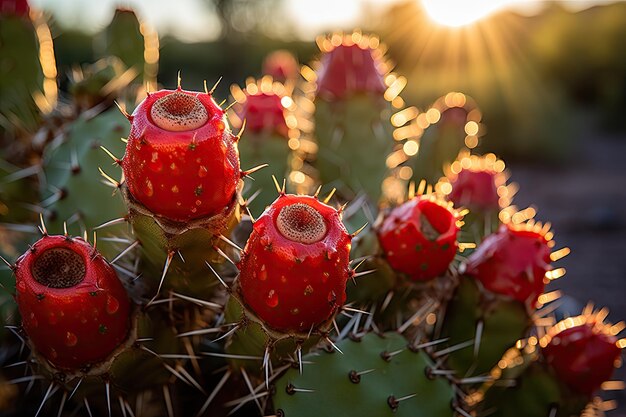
264 148
331 384
504 323
20 74
354 138
71 172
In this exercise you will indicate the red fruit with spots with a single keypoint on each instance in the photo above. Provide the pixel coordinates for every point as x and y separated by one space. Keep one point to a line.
74 309
419 238
349 69
476 190
181 160
264 113
294 268
583 357
512 262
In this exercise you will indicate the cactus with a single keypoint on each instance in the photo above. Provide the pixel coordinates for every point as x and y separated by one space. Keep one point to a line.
182 183
412 325
500 285
73 195
282 66
560 372
266 108
380 375
352 112
292 278
27 73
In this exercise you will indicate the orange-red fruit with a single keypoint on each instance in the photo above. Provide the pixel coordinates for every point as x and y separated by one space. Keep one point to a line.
349 69
511 262
294 268
583 357
265 113
181 160
419 238
476 190
74 308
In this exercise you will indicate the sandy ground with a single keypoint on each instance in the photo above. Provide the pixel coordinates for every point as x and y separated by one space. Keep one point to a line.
586 202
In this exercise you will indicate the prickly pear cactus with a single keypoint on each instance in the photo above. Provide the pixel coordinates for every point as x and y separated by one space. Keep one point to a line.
27 71
373 375
559 373
353 95
268 111
177 307
74 192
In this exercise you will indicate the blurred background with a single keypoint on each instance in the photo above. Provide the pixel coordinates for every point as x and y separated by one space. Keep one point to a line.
549 77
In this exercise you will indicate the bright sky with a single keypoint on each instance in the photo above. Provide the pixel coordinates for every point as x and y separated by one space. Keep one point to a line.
191 20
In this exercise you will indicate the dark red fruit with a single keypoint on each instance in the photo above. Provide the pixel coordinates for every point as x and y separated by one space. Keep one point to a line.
74 308
349 69
264 113
181 160
512 262
14 7
294 268
476 190
281 65
419 238
582 356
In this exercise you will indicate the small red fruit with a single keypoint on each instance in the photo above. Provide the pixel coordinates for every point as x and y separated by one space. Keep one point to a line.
348 69
512 262
583 356
476 190
74 308
419 237
264 113
281 65
294 268
181 160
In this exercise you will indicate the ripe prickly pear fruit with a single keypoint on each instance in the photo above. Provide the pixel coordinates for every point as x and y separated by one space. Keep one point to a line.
497 295
352 113
281 65
264 105
181 160
75 310
349 69
512 262
294 268
582 356
475 189
419 237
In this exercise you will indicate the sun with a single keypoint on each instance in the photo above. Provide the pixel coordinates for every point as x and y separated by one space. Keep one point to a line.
456 13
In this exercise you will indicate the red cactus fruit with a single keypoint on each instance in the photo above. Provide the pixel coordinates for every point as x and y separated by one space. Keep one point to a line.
583 356
74 308
264 112
14 7
281 65
349 69
294 268
512 262
475 189
419 238
181 160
